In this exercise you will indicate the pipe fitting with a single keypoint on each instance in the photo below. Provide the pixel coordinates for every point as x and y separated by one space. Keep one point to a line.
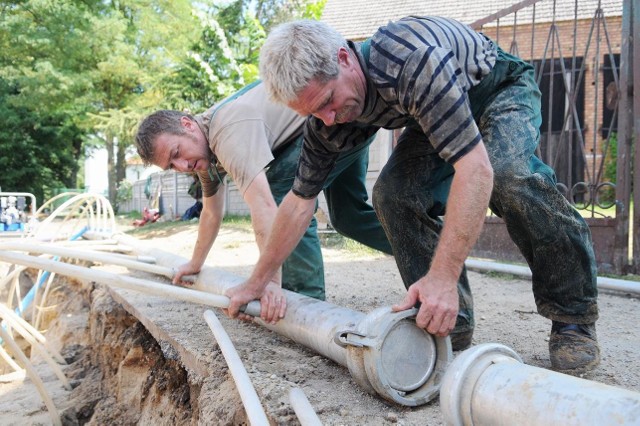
489 385
459 381
389 355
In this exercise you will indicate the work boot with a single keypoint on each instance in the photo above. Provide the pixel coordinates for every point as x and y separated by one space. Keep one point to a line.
573 348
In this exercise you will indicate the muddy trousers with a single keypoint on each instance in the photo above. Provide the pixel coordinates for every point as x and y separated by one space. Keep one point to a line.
411 193
350 214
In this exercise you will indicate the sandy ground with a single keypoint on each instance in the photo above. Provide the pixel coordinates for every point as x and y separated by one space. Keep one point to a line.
363 281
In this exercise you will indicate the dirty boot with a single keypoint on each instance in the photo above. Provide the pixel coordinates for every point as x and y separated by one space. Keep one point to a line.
573 348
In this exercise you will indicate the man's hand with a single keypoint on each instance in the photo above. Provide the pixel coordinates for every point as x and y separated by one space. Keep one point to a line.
273 303
186 269
439 304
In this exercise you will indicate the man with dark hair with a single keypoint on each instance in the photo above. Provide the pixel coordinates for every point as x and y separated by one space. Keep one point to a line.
257 142
471 118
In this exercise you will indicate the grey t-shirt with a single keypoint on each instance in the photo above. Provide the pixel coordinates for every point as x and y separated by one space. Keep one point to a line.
243 134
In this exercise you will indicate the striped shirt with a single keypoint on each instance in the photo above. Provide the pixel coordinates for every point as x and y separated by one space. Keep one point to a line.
418 73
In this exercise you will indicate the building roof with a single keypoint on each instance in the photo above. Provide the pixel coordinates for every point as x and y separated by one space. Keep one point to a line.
359 19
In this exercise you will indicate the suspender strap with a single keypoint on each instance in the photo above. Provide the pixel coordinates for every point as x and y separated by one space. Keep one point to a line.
365 47
234 97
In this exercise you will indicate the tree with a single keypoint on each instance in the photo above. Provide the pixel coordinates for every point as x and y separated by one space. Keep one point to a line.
41 74
39 150
76 73
225 56
81 66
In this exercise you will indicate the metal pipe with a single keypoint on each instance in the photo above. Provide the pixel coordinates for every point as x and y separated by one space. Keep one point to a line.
248 394
489 385
33 207
386 353
604 283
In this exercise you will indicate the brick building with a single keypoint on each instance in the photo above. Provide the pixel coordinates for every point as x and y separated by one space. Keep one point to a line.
597 40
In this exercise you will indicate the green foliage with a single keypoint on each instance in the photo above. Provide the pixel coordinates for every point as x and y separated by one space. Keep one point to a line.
76 74
313 10
221 61
274 12
608 195
39 149
125 191
611 159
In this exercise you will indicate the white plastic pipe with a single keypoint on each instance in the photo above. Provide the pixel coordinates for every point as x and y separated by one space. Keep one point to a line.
603 283
13 277
303 409
248 394
91 256
7 316
488 385
10 360
35 333
129 283
33 375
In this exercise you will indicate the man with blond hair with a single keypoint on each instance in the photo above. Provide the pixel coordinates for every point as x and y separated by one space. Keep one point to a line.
471 118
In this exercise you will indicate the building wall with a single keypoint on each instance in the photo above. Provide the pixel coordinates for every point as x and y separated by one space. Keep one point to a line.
592 43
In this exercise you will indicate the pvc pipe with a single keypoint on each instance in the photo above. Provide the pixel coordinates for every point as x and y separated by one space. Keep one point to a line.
129 283
38 309
603 283
85 242
31 294
13 275
89 256
33 375
303 313
7 316
489 385
248 394
9 360
303 409
101 220
35 333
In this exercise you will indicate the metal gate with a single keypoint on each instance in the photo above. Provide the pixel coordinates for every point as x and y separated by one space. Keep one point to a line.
584 55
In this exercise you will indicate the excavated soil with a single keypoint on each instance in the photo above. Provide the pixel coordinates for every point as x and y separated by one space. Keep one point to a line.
122 374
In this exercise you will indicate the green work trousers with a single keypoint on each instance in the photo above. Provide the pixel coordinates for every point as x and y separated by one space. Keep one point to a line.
411 193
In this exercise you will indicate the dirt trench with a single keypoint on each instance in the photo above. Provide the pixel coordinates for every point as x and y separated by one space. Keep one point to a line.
121 375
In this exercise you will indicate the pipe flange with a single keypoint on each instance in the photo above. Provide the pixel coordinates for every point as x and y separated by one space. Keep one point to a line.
402 362
462 375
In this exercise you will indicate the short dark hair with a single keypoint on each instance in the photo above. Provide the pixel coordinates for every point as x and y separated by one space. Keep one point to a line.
162 121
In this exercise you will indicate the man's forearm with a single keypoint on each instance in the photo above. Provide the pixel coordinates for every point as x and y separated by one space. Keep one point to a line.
208 228
290 223
262 221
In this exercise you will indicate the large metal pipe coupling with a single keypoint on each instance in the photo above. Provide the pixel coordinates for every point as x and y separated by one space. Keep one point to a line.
489 385
389 355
